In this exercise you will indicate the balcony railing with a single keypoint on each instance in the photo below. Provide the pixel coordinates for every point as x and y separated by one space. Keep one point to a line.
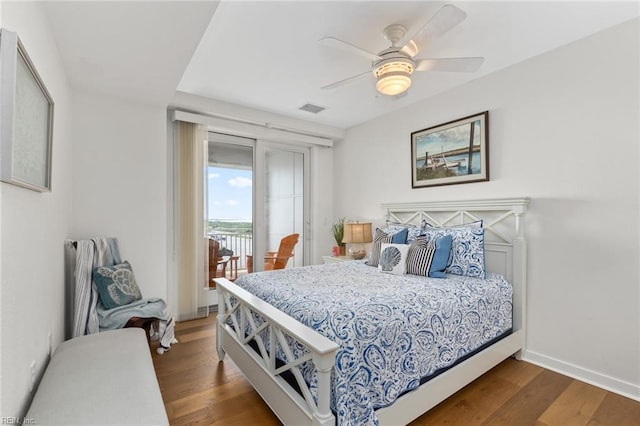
240 244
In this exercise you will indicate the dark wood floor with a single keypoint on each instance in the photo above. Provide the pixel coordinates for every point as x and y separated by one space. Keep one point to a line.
198 390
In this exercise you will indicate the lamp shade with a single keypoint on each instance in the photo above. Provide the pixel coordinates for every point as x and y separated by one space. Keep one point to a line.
357 233
393 83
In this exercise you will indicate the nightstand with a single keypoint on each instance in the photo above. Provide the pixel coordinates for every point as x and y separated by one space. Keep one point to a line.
336 259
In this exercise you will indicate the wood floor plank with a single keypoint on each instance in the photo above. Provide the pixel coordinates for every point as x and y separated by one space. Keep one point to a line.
617 410
517 372
177 386
204 398
197 389
199 322
531 401
195 335
472 404
574 407
185 362
475 402
248 409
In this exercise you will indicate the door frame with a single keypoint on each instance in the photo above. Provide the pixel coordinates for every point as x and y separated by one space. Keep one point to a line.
260 146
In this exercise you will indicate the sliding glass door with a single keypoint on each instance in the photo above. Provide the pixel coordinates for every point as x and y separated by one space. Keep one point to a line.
229 204
255 197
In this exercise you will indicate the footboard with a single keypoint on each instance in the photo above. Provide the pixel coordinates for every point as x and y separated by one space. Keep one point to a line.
274 329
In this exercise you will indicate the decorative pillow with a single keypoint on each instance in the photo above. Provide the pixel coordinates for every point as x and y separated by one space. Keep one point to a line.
420 257
116 285
434 262
379 238
467 249
393 258
413 231
399 237
440 257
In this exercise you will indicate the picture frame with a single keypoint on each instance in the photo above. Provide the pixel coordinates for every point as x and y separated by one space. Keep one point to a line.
441 155
26 119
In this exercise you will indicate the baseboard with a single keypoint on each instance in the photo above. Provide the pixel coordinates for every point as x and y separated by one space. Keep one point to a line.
203 312
609 383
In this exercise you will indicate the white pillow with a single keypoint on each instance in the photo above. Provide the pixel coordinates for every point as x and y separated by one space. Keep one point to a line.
393 258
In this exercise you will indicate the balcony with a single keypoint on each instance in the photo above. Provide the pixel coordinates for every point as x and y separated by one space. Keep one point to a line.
240 244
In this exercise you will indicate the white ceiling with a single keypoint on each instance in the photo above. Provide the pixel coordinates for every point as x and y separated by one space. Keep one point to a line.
128 49
266 55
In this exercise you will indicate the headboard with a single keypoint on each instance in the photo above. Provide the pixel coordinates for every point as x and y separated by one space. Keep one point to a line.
505 243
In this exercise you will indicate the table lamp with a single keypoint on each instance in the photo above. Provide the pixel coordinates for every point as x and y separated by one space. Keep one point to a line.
357 234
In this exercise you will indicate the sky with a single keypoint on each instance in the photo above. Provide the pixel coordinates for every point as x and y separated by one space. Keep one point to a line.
230 194
445 140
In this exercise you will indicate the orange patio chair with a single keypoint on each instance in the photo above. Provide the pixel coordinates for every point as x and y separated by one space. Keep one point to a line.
277 260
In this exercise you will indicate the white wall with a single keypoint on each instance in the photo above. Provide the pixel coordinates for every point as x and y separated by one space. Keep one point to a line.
1 280
564 131
120 185
33 228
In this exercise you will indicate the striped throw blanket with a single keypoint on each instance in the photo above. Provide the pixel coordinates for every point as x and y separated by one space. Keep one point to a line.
91 317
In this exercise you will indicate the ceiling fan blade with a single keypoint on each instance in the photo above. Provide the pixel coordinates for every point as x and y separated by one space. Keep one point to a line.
446 18
450 64
345 81
339 44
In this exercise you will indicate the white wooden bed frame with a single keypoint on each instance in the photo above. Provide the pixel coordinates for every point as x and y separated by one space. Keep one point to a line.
506 253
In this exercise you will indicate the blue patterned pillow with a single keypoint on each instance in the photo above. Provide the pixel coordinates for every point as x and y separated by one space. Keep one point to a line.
467 249
413 231
116 285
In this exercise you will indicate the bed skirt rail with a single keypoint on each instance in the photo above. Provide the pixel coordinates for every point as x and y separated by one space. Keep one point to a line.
237 327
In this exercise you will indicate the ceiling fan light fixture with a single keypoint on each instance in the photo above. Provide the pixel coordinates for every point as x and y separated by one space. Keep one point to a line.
403 65
393 66
393 75
393 83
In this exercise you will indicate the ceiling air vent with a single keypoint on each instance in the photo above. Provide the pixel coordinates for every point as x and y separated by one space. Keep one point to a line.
312 108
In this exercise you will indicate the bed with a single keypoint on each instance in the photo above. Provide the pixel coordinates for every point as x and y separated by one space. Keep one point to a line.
316 375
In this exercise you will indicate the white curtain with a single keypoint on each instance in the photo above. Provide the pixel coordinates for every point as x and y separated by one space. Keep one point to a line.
190 221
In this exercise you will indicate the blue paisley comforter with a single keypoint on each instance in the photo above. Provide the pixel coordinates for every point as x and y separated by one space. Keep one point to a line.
392 330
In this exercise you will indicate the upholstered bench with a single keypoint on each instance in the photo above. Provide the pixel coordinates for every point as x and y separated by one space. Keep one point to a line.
104 379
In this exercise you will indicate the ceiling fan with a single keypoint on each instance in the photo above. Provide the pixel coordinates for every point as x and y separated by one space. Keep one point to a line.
392 67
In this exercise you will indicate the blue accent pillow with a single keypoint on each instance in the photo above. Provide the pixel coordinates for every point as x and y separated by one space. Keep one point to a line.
441 257
400 237
116 285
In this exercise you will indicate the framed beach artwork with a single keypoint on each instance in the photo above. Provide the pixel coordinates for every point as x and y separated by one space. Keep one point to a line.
451 153
26 119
